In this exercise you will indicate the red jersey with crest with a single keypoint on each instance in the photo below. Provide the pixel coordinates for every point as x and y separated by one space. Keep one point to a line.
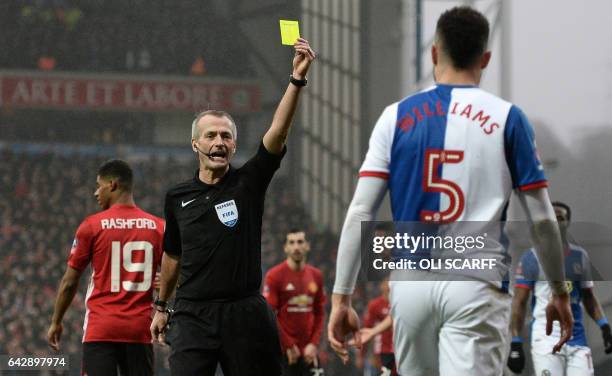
124 247
378 309
298 298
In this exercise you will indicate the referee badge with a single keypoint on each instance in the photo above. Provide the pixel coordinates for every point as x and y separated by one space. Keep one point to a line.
227 212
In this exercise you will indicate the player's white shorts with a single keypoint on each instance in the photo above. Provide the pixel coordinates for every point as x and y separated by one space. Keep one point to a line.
570 361
457 328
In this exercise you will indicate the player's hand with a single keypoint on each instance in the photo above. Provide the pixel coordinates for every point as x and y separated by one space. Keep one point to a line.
293 355
607 338
516 360
304 55
343 322
310 353
158 327
54 334
366 335
559 309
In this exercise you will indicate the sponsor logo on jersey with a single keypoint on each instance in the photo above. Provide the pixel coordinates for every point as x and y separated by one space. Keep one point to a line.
227 212
185 203
313 288
289 287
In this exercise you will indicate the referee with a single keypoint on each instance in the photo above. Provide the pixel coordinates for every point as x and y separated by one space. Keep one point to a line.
212 248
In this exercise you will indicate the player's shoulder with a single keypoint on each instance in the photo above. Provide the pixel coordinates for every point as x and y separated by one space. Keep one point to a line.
578 251
277 269
377 301
314 270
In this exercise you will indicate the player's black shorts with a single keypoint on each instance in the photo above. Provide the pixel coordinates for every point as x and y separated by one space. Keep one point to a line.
241 335
114 358
301 368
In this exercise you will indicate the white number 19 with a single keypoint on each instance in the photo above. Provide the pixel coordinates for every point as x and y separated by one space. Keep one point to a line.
145 267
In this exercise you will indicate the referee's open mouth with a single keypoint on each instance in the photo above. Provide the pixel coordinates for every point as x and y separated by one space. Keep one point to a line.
217 156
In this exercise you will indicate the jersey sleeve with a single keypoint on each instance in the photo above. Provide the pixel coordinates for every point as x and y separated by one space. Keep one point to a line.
318 311
370 316
521 153
261 167
527 271
81 252
378 157
172 235
270 291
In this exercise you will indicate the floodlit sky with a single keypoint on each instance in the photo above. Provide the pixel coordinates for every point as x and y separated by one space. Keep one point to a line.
561 61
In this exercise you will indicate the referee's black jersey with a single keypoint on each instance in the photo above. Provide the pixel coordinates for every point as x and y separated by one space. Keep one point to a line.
216 230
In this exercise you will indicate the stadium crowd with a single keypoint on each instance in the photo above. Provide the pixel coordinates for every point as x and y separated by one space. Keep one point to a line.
44 197
160 37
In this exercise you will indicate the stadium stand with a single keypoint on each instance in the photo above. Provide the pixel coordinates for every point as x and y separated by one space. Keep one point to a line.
160 37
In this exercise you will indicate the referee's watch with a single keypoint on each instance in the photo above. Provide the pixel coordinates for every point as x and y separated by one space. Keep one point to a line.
161 304
296 82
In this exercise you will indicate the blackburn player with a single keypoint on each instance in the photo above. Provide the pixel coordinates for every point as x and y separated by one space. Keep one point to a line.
574 359
123 244
450 154
294 289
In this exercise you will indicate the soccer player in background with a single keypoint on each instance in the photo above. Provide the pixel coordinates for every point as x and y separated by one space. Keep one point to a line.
450 153
378 313
123 244
574 359
294 289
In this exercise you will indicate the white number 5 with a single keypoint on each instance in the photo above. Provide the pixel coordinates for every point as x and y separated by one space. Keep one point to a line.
145 267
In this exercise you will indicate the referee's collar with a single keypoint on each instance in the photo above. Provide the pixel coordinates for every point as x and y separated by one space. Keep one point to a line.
200 183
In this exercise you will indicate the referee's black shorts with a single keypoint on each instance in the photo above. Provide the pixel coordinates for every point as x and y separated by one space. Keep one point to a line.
107 358
241 335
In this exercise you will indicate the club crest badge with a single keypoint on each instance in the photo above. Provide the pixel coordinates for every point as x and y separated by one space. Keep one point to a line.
227 212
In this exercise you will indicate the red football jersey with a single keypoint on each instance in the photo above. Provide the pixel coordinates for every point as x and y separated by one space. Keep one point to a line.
299 301
124 246
378 309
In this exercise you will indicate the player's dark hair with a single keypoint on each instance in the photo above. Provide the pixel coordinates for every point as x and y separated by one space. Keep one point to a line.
463 33
118 170
563 206
295 230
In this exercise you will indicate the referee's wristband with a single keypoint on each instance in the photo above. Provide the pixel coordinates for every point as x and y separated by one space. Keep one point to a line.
602 321
160 303
517 340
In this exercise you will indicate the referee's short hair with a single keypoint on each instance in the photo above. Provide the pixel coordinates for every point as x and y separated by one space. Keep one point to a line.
565 206
120 171
195 130
462 33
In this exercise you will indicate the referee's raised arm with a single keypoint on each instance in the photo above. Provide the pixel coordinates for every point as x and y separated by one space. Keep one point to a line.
275 138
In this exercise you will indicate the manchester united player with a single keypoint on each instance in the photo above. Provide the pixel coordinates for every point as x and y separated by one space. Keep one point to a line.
377 313
294 289
123 244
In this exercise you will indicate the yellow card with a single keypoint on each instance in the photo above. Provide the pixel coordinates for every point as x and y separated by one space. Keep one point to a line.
290 32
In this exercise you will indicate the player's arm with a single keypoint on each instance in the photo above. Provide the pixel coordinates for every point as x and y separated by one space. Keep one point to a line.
516 360
368 333
67 290
343 320
275 138
371 189
593 307
312 348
